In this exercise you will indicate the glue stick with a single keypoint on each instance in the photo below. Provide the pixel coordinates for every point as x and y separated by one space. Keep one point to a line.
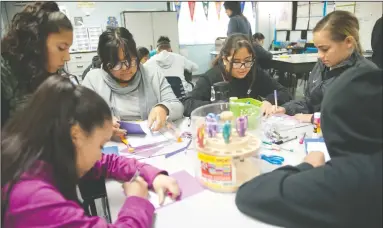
317 122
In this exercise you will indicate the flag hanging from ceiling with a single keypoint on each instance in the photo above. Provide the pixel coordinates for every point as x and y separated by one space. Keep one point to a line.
191 9
205 6
177 5
254 7
242 6
218 8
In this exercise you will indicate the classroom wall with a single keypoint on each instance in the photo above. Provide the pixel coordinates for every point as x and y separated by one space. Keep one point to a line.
200 54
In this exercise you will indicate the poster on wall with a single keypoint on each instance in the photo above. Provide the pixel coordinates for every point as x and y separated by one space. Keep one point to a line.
112 22
177 5
191 9
242 6
205 6
86 7
78 21
284 18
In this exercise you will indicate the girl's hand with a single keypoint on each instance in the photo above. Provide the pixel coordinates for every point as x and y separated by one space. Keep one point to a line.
164 184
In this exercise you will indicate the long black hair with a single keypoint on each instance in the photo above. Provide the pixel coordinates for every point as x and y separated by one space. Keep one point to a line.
110 42
24 45
41 131
233 42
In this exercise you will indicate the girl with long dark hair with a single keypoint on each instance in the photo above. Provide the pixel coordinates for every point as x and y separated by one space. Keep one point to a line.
35 46
51 144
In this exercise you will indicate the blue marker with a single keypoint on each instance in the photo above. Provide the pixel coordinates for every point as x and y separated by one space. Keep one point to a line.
226 132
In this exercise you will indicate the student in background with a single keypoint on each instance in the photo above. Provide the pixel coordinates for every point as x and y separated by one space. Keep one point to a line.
161 40
235 64
262 56
132 90
40 170
172 64
238 23
337 38
376 43
143 54
35 46
347 190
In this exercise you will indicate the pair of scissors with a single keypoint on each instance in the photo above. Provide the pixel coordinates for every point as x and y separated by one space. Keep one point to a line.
273 159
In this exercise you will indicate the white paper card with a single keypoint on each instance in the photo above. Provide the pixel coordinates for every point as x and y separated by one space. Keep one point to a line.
318 146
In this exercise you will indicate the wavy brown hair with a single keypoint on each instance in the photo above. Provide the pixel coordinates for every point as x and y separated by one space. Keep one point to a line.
24 44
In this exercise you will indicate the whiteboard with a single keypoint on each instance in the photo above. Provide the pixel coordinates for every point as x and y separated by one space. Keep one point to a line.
303 9
284 18
367 13
316 9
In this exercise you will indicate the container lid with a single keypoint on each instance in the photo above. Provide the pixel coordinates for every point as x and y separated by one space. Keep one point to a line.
233 98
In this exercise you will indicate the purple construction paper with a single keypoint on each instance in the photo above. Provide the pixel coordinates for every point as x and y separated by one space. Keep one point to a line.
188 184
110 150
132 128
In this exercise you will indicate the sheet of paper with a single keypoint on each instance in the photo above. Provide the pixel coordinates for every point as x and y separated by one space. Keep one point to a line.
132 128
302 23
295 36
303 10
281 35
313 21
316 9
188 184
318 146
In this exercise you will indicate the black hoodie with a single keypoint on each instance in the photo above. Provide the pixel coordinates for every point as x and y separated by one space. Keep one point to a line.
262 86
376 43
346 192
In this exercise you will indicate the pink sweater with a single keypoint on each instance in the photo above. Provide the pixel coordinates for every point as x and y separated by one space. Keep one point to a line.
36 202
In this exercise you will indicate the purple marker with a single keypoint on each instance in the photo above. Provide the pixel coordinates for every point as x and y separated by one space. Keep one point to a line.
241 126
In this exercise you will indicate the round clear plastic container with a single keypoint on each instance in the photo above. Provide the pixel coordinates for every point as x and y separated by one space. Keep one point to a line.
223 165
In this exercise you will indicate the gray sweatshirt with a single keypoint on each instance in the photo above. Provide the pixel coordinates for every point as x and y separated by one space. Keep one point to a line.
239 24
130 106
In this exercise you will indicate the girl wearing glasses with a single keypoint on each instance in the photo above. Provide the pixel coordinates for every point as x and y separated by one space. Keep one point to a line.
236 65
40 170
35 46
132 90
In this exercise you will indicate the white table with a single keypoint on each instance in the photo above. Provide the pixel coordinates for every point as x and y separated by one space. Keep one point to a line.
206 209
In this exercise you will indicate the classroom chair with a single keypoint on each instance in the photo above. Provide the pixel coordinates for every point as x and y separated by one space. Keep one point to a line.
92 191
177 87
188 77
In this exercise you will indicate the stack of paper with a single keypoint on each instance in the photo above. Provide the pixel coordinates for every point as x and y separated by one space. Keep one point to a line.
317 144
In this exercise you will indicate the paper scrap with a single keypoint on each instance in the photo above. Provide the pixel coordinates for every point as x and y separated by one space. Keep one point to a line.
317 145
132 128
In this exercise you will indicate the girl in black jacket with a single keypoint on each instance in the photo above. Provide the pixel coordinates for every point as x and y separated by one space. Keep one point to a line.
236 65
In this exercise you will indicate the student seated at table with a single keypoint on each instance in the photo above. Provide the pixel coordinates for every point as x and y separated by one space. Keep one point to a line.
236 65
347 190
337 38
143 54
262 56
57 140
132 90
172 64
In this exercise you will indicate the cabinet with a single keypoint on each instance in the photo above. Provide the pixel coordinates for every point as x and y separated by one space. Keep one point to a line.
79 62
148 26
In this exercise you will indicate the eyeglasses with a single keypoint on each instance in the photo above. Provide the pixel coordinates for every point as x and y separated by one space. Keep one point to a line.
246 64
118 66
